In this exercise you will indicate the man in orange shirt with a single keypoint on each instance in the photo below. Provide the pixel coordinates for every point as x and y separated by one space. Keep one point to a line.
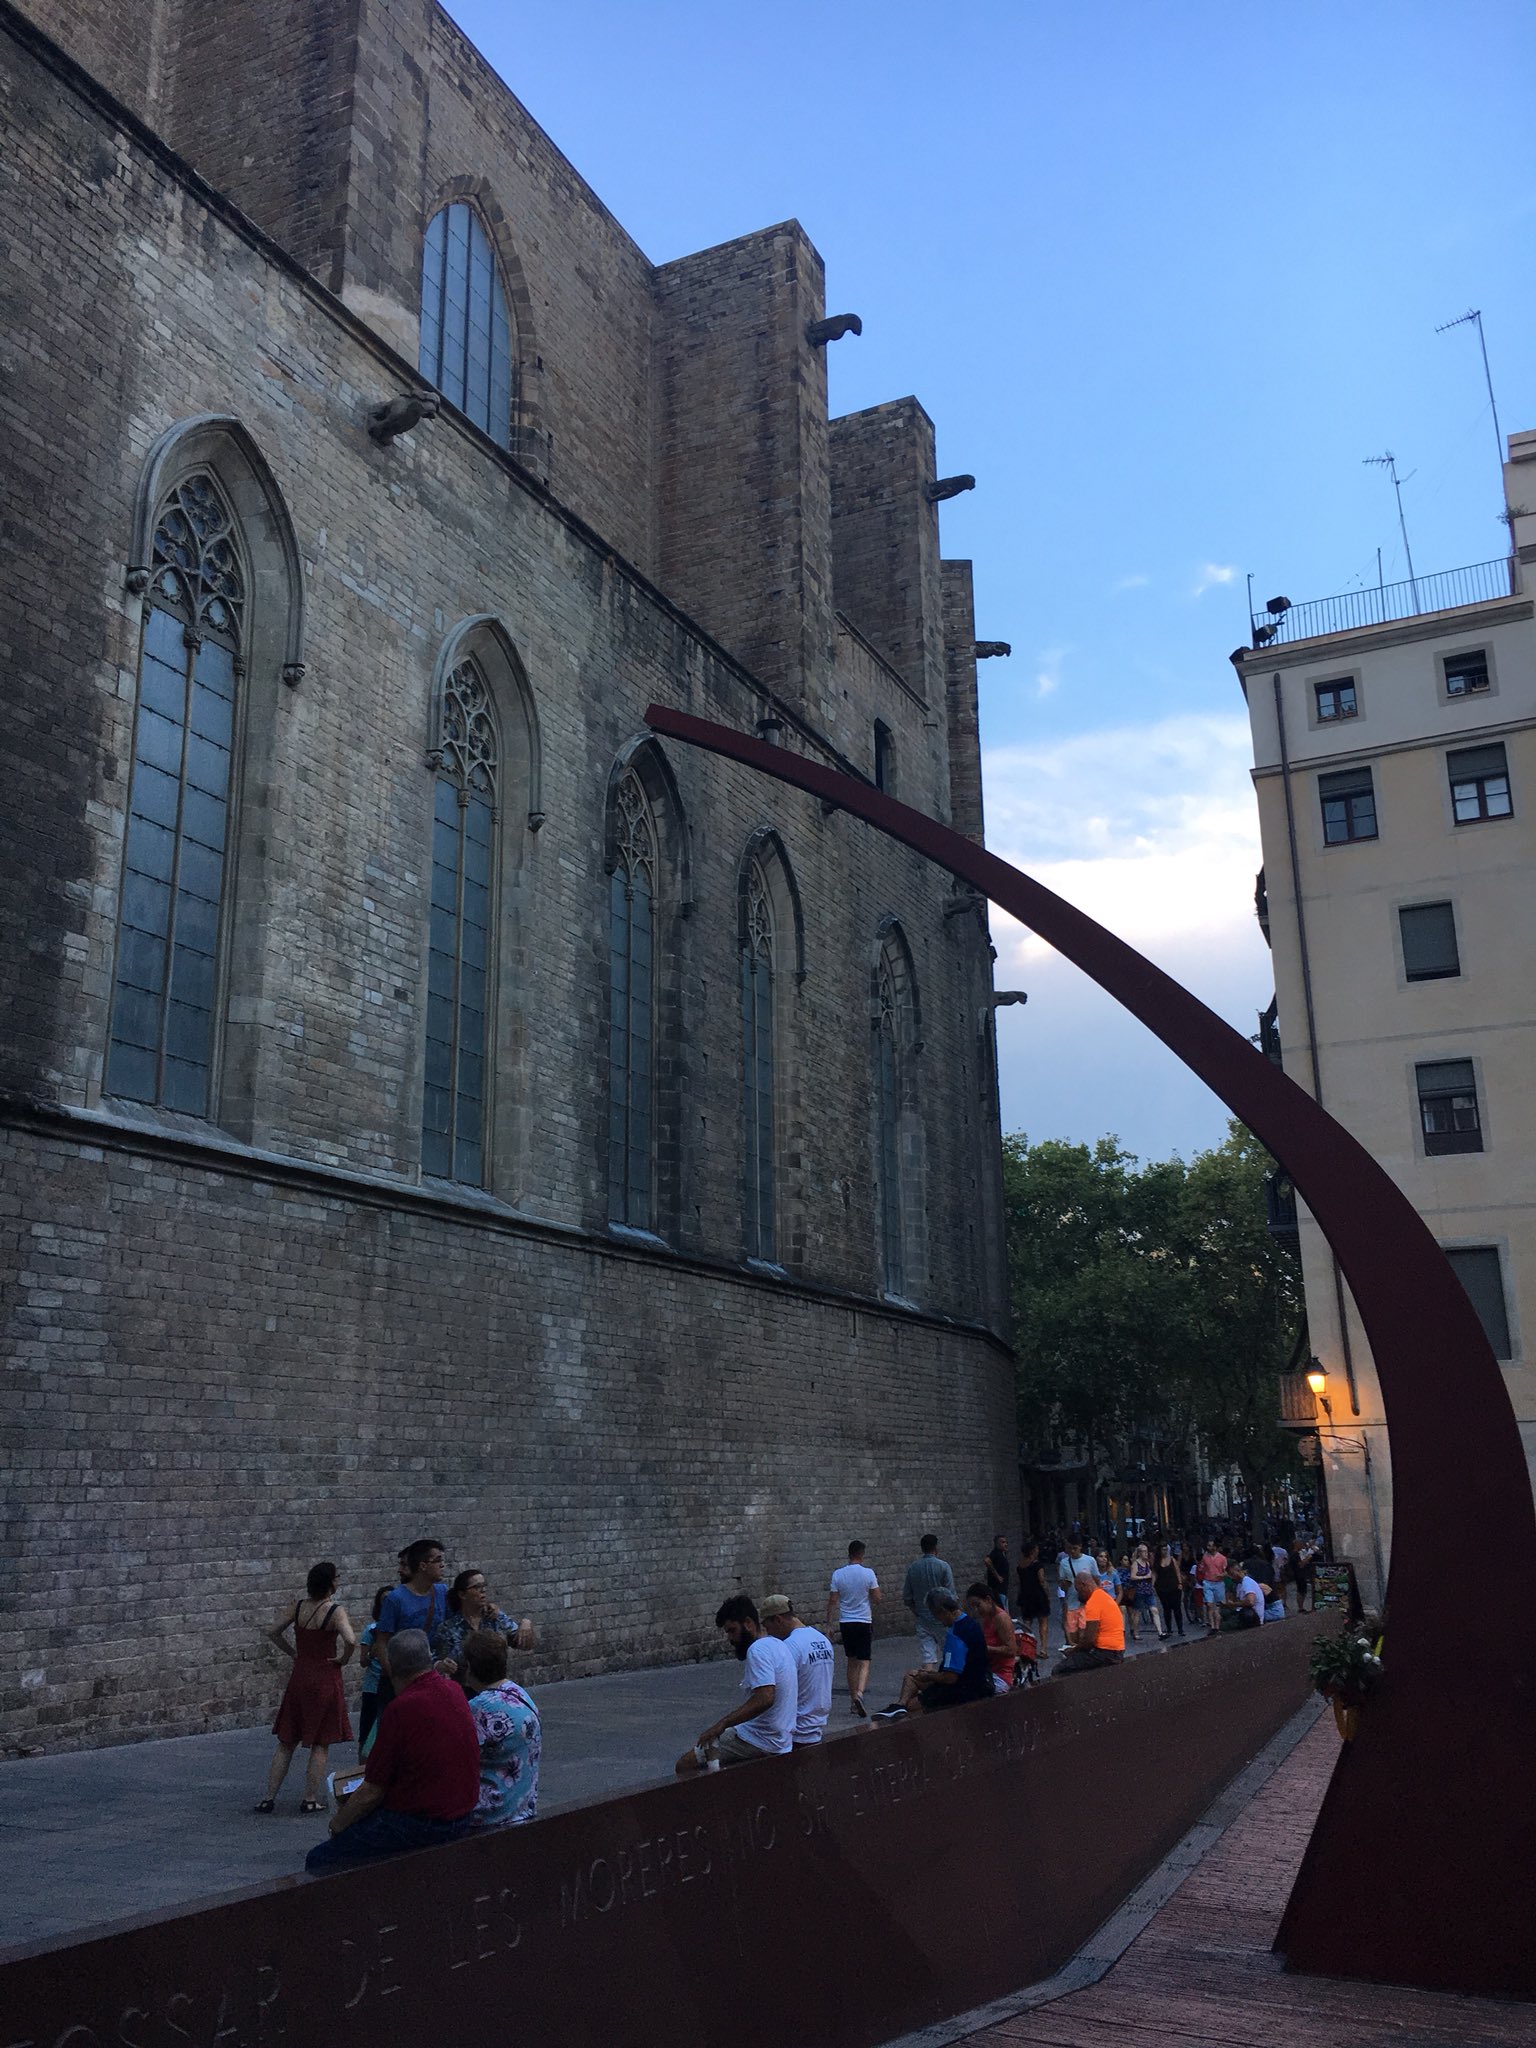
1100 1636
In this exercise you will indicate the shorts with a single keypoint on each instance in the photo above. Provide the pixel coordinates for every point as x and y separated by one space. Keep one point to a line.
1213 1590
734 1748
933 1698
928 1651
858 1640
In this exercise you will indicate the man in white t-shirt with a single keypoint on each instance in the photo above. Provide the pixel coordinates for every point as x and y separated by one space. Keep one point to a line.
764 1723
1249 1601
851 1600
813 1666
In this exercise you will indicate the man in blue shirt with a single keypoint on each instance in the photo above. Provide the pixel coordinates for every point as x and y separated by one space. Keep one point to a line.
420 1601
964 1671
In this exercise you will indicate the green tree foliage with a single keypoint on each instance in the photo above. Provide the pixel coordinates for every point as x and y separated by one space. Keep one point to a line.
1150 1297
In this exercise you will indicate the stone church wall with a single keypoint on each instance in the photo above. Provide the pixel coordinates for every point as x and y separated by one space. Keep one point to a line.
220 1363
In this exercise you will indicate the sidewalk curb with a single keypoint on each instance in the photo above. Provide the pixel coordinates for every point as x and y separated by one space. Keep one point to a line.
1104 1948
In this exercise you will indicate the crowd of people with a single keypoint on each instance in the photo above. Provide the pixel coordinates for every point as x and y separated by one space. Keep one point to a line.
449 1742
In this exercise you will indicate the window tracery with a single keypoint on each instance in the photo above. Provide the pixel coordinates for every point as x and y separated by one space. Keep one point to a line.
165 989
461 934
632 1007
758 1064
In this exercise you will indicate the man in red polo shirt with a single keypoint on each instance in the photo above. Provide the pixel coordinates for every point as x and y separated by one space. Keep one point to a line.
423 1778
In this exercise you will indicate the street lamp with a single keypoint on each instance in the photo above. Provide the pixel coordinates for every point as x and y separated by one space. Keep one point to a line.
1317 1380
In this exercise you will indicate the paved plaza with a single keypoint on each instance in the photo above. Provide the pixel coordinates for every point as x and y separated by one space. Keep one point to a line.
97 1834
1201 1974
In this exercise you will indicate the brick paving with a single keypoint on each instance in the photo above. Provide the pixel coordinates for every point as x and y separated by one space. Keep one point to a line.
1202 1972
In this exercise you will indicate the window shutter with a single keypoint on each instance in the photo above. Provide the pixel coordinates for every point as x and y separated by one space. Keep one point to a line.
1347 782
1429 941
1446 1077
1478 1271
1468 763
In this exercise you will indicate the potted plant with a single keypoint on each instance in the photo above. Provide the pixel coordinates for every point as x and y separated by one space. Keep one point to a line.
1344 1668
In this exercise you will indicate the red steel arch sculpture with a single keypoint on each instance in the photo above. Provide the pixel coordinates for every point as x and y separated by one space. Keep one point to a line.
1422 1866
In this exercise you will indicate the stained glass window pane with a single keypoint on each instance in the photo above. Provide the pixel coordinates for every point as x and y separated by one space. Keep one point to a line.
165 1001
459 928
631 1010
466 335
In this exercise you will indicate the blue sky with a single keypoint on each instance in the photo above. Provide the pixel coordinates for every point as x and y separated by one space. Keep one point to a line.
1164 277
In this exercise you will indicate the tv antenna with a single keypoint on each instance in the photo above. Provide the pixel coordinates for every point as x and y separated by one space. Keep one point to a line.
1473 317
1388 462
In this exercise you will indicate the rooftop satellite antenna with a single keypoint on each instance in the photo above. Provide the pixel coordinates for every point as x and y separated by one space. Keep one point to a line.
1474 317
1388 462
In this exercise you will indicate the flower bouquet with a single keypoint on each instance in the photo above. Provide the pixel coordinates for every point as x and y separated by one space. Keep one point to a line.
1345 1666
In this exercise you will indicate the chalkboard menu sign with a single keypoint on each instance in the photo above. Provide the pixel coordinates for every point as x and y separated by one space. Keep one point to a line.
1334 1586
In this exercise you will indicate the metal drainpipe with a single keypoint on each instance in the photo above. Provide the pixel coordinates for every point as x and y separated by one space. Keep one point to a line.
1306 991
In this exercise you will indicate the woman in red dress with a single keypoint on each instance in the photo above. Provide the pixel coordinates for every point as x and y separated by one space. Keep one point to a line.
313 1713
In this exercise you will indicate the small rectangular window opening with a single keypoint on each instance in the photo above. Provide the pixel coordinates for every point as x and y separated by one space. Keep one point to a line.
1448 1110
1335 701
885 758
1478 1268
1479 784
1466 675
1349 806
1429 941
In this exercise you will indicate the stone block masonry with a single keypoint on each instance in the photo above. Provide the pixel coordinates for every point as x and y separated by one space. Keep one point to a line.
235 1345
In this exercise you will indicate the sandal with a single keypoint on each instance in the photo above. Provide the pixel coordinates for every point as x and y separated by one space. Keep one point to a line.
265 1806
311 1806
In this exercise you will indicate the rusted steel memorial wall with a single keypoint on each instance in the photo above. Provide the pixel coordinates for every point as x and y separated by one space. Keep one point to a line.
841 1895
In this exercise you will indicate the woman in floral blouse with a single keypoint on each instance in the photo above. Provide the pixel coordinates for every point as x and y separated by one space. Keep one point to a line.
471 1608
507 1723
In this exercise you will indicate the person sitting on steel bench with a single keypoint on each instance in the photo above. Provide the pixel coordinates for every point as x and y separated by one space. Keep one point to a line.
1100 1636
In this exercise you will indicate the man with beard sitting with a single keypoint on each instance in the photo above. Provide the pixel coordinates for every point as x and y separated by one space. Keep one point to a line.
764 1723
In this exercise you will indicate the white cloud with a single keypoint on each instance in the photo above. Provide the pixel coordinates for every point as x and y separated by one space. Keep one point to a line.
1048 670
1213 575
1151 830
1137 582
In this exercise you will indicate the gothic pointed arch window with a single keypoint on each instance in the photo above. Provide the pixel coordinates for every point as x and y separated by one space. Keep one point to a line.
899 1139
462 927
888 1083
164 1029
758 963
466 331
632 887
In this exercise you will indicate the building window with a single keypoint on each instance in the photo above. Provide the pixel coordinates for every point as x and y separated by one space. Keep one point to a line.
1429 941
885 758
1479 784
1479 1270
892 1235
463 912
1349 806
632 1008
1335 701
161 1044
1448 1106
466 335
757 1034
1466 675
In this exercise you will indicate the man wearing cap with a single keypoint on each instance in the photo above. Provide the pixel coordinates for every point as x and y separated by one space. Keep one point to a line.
763 1725
813 1666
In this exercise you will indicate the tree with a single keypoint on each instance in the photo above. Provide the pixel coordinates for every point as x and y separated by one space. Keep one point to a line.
1150 1298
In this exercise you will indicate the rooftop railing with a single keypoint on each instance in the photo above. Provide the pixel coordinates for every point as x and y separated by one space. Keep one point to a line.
1386 602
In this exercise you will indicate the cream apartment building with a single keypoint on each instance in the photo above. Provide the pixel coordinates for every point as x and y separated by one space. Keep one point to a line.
1394 747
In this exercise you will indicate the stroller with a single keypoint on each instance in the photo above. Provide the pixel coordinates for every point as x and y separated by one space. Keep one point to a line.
1025 1670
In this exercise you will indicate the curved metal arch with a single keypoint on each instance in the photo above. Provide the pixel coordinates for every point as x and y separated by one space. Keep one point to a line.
475 637
658 778
766 847
183 447
1420 1868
